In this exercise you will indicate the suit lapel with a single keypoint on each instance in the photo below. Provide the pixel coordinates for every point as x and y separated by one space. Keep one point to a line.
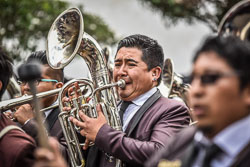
189 155
137 117
51 119
243 157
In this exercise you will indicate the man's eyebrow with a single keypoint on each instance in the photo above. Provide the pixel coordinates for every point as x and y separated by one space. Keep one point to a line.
131 60
118 60
127 60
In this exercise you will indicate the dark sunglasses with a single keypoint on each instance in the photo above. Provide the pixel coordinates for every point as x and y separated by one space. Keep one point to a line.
207 79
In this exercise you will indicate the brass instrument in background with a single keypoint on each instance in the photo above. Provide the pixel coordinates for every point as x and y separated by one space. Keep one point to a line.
236 21
66 39
13 88
177 89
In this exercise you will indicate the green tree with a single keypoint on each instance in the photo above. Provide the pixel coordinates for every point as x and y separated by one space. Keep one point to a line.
24 22
208 11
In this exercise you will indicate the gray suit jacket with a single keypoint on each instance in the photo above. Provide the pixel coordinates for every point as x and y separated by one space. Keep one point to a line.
181 148
154 126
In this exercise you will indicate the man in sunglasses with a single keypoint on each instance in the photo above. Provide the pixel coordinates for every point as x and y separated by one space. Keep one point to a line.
220 98
50 79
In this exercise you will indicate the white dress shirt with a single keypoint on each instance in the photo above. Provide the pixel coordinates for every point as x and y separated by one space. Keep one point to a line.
135 106
49 111
231 140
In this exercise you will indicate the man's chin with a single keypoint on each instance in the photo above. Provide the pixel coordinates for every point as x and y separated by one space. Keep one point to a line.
207 129
124 96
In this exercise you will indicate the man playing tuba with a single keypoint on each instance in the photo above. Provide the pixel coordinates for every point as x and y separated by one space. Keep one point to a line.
148 119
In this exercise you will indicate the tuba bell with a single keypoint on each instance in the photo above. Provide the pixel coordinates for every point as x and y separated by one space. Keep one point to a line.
236 21
66 39
177 89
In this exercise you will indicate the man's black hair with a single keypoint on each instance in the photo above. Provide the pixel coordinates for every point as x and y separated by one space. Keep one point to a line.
152 52
6 70
40 57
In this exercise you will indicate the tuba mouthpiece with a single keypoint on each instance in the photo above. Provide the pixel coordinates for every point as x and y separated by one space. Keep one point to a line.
121 83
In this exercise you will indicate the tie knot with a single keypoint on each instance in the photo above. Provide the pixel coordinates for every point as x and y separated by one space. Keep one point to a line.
127 102
210 153
124 106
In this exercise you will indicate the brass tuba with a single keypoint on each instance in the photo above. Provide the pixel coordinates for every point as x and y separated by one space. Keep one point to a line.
66 39
236 21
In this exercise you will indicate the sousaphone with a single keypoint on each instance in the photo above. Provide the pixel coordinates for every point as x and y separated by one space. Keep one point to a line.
236 21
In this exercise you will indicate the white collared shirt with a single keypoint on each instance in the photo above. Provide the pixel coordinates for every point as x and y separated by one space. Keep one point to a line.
45 112
135 106
231 141
49 111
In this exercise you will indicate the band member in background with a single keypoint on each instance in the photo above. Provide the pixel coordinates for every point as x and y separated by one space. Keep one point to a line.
50 157
16 147
50 79
220 98
149 119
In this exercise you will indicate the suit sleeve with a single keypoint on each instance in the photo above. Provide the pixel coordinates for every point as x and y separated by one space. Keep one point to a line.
26 155
161 123
31 128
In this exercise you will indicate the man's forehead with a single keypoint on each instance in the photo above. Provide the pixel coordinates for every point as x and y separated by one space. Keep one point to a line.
210 61
129 54
129 51
47 70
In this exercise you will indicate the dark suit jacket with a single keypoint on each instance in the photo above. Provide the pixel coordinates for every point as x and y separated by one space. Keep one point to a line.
181 146
16 147
53 127
156 125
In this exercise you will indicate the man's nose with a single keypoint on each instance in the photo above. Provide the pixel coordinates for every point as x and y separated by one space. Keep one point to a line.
122 71
197 88
26 86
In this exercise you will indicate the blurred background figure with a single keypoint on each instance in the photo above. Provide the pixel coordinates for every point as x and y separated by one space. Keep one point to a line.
16 147
220 98
50 157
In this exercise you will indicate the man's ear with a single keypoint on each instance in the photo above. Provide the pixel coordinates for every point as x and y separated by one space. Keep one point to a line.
59 85
1 85
246 95
156 72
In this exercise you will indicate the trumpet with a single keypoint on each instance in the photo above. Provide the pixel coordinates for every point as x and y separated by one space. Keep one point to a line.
12 103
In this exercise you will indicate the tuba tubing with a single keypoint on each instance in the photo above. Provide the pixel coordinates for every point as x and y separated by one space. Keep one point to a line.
236 21
66 39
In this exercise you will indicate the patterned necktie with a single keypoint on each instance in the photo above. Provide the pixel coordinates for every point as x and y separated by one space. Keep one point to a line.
123 108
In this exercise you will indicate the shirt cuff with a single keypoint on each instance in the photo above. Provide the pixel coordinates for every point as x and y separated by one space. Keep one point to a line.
26 122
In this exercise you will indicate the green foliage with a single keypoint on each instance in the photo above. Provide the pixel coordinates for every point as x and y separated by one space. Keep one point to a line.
24 22
208 11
